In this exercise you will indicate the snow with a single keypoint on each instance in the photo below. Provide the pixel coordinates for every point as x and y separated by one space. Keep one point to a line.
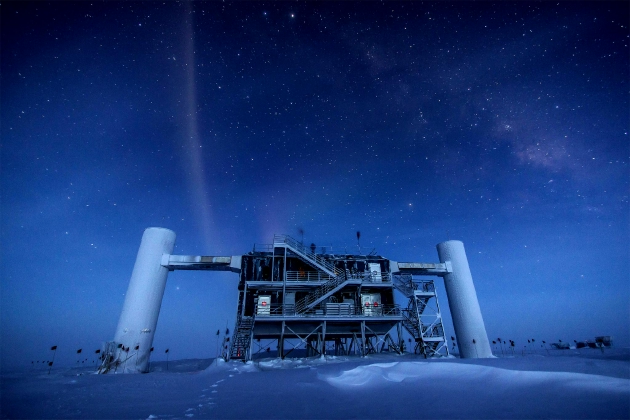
588 384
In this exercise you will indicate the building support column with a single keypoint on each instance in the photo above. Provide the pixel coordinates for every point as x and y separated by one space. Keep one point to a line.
470 330
139 316
363 343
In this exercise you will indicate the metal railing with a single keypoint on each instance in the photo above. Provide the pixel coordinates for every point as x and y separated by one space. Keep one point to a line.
434 330
263 247
411 323
371 277
317 276
334 283
404 283
381 310
327 250
320 293
335 309
241 338
307 276
306 253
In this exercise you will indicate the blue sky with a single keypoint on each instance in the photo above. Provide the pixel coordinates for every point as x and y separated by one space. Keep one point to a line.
504 125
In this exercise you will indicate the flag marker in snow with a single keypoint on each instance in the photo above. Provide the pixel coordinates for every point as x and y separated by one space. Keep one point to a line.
54 349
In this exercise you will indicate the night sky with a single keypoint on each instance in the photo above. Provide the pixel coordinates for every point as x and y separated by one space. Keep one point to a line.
504 125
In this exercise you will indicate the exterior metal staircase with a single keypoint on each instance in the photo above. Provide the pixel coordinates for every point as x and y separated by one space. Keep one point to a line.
306 254
338 279
411 318
411 323
241 340
323 291
429 337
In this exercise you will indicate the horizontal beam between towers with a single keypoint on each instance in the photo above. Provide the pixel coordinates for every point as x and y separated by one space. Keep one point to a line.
198 262
419 269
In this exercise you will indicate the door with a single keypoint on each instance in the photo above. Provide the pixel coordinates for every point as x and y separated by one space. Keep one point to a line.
371 304
264 305
375 272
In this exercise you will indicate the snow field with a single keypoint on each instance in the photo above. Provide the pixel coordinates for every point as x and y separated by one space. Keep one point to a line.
378 386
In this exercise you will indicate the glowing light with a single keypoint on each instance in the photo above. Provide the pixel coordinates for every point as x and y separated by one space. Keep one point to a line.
200 198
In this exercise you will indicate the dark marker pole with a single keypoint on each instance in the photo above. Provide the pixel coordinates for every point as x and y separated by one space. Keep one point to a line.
217 356
121 348
166 359
126 350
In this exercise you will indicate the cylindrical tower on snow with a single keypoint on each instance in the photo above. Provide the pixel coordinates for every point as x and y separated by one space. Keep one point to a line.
470 330
138 319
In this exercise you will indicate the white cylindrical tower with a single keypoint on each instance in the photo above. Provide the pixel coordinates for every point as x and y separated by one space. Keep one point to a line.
136 326
470 330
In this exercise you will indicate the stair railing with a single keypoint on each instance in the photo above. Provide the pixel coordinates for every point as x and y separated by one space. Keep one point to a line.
305 252
308 300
